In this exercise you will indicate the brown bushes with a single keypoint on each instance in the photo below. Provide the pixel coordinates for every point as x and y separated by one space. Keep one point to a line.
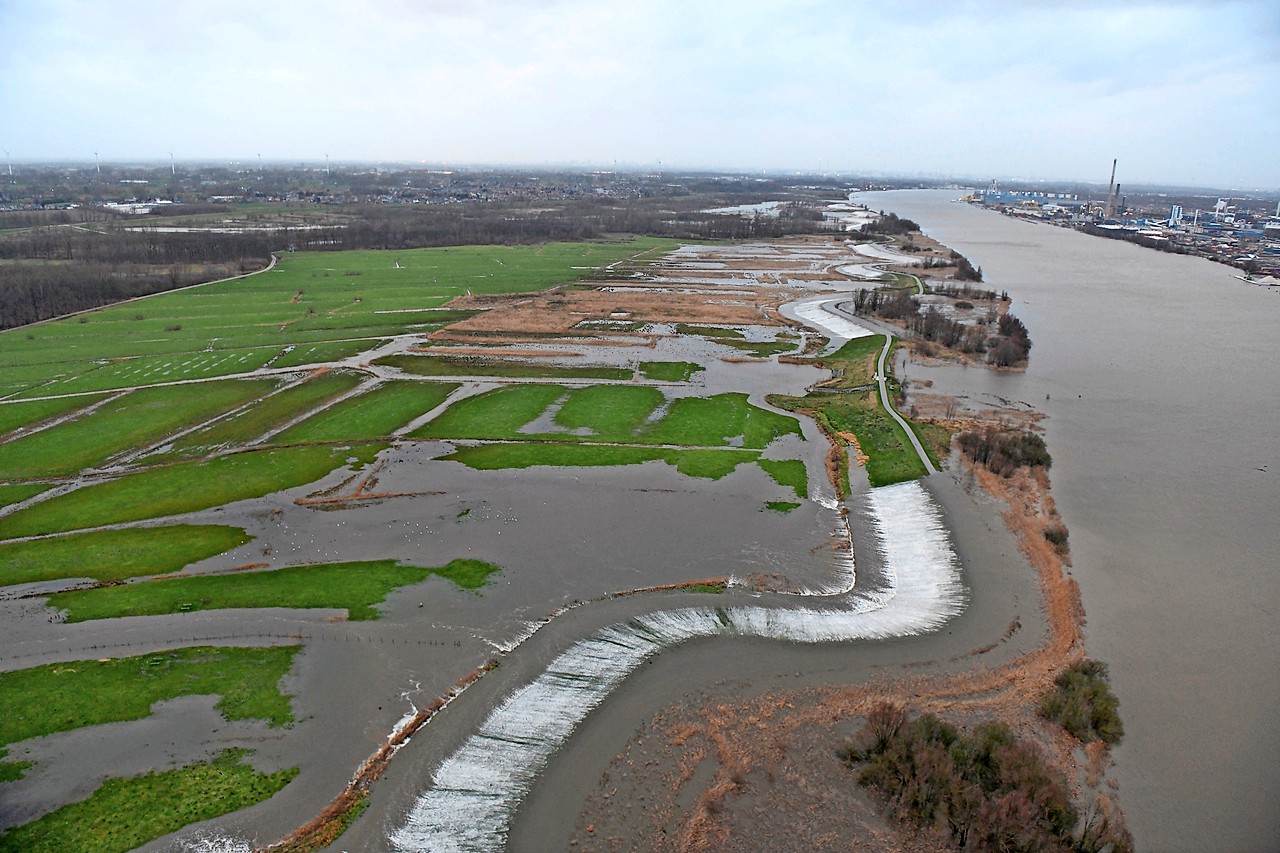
986 790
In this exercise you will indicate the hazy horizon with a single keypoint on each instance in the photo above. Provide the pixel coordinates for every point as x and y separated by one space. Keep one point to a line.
1184 94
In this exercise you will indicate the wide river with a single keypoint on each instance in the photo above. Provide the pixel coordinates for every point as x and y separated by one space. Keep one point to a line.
1160 376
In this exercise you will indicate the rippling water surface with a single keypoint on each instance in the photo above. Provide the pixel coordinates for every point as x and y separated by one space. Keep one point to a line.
1160 375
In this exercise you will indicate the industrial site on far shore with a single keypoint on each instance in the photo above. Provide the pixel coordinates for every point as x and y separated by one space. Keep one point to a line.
1240 232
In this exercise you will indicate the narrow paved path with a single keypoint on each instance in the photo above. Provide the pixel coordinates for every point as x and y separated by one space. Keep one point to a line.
888 407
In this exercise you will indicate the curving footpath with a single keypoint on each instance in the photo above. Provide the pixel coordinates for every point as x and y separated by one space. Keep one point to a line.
888 407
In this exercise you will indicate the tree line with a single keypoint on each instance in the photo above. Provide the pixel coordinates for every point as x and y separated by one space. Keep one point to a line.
1008 346
64 261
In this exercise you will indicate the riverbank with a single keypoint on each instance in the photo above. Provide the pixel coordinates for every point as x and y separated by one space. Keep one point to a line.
1164 471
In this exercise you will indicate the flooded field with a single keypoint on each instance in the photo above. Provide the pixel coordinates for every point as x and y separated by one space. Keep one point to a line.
660 531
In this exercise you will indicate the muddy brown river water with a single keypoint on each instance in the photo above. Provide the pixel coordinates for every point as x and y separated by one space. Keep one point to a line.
1159 375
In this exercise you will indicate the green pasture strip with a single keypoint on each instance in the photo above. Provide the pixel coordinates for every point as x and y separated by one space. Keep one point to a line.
497 414
267 413
855 360
494 457
714 421
12 493
788 473
131 421
155 370
613 413
355 587
370 415
934 438
710 464
32 412
447 365
324 353
707 331
59 697
669 371
762 349
610 412
12 771
891 458
185 487
707 464
107 555
781 506
124 814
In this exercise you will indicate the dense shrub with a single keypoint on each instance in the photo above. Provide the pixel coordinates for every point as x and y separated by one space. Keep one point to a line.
987 790
1004 451
1015 343
1083 704
1056 535
890 223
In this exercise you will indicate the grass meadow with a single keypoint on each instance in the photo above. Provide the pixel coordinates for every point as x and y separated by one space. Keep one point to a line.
109 555
185 487
373 414
308 299
355 587
126 813
59 697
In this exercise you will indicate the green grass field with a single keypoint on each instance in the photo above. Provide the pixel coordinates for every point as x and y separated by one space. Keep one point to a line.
497 414
891 458
267 414
609 412
374 414
788 473
12 493
445 365
612 413
59 697
669 371
709 464
106 555
185 487
719 420
326 352
310 298
126 813
355 587
33 412
856 360
131 421
708 331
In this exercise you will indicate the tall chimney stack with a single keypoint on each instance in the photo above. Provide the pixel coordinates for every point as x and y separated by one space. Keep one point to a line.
1111 189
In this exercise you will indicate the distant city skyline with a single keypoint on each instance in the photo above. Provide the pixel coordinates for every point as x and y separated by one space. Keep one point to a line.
1183 93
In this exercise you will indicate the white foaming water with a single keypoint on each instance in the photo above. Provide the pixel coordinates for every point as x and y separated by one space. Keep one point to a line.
215 844
476 791
817 315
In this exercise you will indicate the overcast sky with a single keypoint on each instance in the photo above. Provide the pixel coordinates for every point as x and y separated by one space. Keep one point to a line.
1180 92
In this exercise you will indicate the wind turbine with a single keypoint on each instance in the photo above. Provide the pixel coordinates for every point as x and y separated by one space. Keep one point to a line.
10 162
326 164
97 162
173 170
